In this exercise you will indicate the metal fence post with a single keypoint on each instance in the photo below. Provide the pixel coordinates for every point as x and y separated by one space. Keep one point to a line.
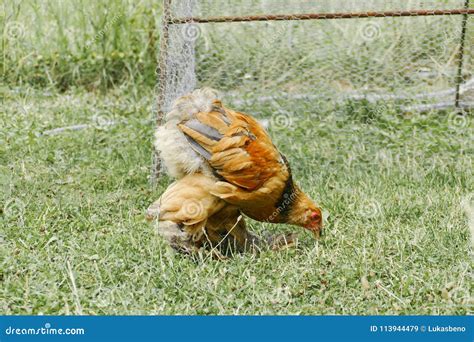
459 77
162 63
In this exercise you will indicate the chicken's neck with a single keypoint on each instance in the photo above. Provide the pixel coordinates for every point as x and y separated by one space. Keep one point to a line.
287 199
299 209
292 204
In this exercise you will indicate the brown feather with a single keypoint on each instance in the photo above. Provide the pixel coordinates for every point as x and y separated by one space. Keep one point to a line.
245 155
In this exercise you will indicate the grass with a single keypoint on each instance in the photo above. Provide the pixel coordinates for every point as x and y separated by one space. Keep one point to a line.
89 44
74 239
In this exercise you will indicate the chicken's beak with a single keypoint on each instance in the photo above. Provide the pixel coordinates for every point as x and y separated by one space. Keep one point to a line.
317 234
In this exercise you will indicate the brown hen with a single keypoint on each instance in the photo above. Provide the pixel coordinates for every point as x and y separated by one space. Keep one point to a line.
226 165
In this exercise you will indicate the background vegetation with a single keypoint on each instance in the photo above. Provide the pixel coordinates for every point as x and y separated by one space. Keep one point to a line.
91 44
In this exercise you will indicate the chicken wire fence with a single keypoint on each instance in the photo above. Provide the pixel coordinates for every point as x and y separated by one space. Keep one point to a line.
417 55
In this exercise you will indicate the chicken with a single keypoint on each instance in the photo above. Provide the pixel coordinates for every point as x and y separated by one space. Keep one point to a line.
190 216
225 165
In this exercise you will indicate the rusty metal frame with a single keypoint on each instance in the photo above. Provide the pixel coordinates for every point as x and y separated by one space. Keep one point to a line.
461 57
321 16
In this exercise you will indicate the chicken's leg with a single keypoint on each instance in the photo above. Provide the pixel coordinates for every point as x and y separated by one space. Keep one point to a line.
230 223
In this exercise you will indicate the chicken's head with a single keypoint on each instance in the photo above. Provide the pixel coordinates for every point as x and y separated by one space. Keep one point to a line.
314 221
305 213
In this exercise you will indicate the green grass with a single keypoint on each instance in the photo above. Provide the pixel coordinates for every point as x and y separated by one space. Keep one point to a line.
89 44
73 238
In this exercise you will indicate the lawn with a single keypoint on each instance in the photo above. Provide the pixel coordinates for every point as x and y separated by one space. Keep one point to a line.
73 237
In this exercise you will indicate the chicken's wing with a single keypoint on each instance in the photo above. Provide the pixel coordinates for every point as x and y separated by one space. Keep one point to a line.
240 152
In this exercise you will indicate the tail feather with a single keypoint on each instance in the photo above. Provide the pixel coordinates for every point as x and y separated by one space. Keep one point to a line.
174 148
208 131
198 148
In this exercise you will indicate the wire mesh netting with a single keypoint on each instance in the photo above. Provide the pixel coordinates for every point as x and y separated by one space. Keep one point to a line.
413 61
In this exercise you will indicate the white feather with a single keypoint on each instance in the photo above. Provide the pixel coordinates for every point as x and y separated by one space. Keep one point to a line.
176 153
